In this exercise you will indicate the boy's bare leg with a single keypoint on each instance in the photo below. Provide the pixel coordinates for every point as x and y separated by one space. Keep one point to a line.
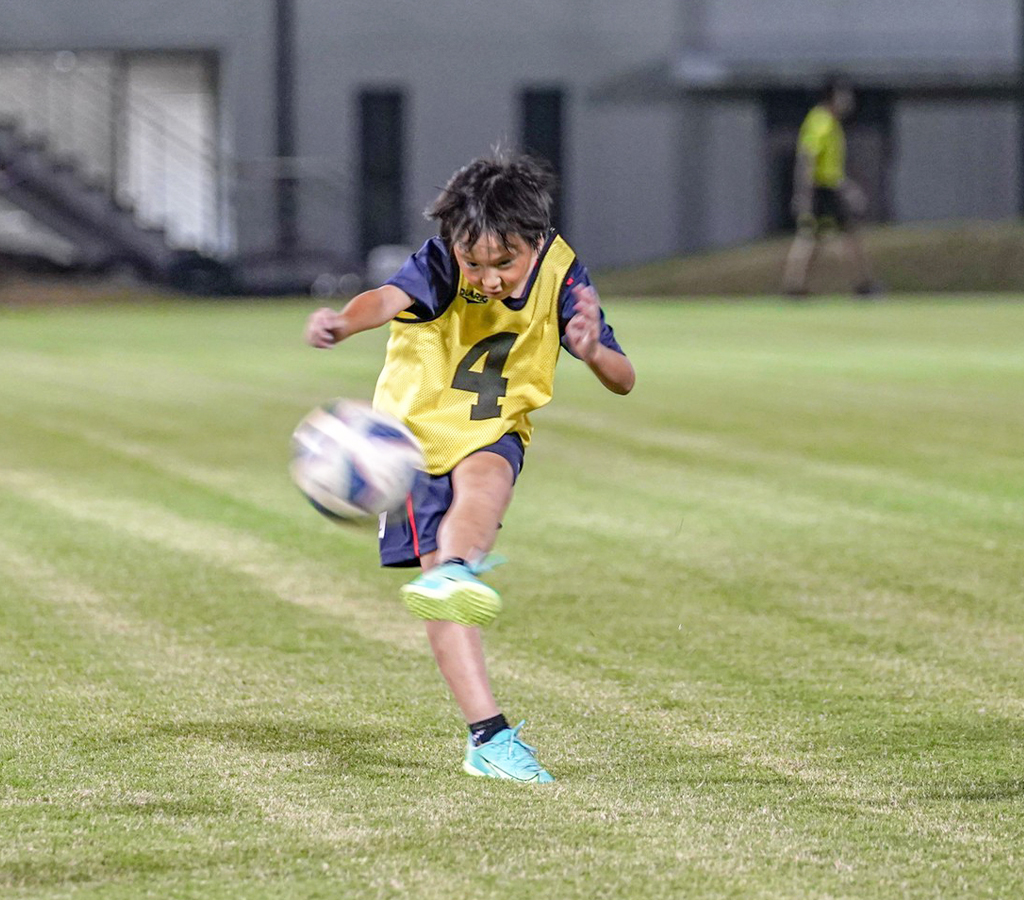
458 650
482 486
798 264
854 247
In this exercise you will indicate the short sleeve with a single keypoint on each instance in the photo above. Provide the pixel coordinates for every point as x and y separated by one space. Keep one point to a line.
578 275
430 278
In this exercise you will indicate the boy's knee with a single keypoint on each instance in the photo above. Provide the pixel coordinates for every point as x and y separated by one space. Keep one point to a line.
486 475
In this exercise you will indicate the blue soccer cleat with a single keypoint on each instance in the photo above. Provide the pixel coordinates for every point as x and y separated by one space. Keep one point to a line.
505 756
452 593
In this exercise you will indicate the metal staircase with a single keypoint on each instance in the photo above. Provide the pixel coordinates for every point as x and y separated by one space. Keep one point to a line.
105 230
111 225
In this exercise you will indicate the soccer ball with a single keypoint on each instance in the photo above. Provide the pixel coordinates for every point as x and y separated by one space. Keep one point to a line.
351 460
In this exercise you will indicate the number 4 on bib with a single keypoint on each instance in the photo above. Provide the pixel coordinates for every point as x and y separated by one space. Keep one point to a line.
484 378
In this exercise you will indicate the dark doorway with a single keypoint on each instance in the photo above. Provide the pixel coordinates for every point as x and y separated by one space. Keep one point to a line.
542 117
868 150
381 168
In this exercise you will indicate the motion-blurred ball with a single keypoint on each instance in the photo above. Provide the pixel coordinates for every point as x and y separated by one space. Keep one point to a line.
351 460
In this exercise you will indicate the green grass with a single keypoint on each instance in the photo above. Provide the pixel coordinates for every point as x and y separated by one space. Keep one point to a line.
764 618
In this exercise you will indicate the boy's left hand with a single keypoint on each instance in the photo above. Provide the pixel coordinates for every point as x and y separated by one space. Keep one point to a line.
583 330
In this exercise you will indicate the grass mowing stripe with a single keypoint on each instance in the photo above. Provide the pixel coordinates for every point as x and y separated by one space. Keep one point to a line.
254 559
289 580
795 624
699 519
606 696
197 760
102 773
718 454
138 669
807 733
257 560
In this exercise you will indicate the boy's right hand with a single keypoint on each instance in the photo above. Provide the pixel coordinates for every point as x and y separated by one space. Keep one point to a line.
856 200
320 328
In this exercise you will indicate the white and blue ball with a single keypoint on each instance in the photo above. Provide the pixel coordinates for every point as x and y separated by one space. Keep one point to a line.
351 460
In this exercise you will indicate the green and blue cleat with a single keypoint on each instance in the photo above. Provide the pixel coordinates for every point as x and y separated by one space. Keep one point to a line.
505 756
451 592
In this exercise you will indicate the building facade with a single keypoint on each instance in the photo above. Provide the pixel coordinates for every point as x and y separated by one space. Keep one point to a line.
317 130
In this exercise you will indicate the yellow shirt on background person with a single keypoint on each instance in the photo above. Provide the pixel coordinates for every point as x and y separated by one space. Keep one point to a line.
822 139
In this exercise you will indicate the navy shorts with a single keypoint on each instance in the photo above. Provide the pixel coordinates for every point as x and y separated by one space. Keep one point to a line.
830 210
410 533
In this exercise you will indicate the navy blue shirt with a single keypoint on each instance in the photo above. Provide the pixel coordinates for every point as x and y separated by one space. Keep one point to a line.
431 277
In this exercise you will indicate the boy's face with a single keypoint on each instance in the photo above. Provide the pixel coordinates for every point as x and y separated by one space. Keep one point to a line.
495 270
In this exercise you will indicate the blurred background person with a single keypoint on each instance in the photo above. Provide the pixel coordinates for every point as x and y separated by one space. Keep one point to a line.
824 198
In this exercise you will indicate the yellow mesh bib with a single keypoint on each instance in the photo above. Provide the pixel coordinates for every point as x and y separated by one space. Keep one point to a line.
472 375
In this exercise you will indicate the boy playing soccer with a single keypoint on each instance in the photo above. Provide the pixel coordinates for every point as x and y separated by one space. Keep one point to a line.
477 315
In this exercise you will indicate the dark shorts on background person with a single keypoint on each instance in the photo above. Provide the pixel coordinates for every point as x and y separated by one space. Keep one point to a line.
829 210
410 533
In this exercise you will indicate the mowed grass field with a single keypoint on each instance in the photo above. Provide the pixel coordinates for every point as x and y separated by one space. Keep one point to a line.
765 618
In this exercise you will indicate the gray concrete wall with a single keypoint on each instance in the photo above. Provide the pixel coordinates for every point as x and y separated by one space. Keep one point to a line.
643 180
956 161
462 75
623 212
736 175
461 66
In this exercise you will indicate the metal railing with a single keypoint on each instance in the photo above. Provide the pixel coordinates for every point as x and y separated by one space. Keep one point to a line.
146 158
170 173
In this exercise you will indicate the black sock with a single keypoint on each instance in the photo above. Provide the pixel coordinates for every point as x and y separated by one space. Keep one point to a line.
482 732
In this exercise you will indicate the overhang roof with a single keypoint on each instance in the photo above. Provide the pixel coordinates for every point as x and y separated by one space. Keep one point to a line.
716 74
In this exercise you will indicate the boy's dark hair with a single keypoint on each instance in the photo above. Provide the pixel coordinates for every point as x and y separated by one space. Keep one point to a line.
834 83
507 195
